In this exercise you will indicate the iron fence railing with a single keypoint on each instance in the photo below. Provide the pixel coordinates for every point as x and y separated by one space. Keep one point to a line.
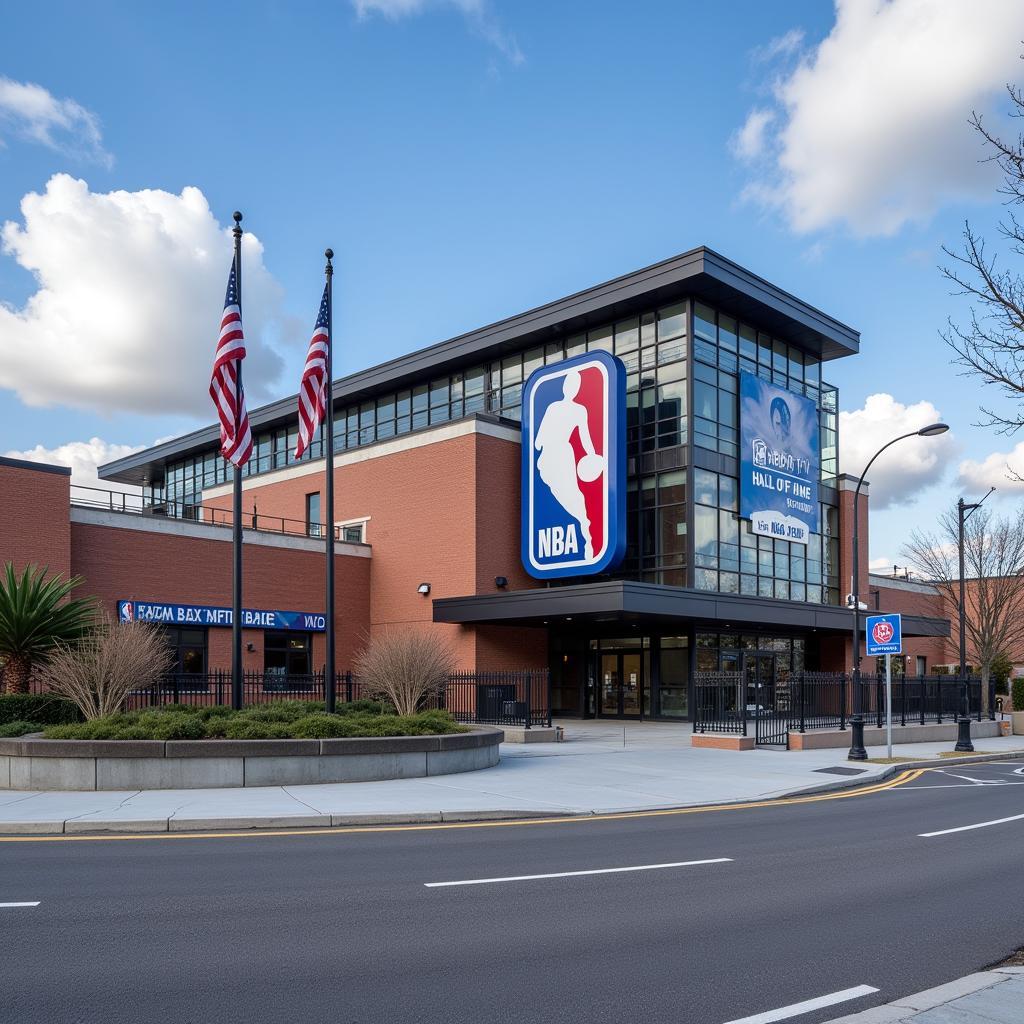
725 702
513 698
204 514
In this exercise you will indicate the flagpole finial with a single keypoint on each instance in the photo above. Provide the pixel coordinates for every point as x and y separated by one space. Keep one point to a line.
237 229
329 270
237 217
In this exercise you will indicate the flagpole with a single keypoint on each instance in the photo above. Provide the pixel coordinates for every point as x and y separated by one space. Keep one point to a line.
236 537
329 671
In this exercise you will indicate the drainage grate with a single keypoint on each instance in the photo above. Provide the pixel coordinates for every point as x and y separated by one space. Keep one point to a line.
841 771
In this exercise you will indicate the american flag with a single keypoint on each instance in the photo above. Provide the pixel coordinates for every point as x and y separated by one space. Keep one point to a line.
228 397
314 386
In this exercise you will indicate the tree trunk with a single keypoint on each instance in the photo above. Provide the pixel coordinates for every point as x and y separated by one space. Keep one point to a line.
985 673
17 670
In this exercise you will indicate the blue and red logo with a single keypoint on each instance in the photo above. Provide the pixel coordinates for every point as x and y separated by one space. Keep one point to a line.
574 467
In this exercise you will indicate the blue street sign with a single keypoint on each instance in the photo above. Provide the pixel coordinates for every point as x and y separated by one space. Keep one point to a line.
884 635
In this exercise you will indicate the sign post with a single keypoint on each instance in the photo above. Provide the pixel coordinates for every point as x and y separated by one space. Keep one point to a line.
885 637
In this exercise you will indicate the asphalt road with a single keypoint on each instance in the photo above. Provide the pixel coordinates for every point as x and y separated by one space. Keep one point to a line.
811 899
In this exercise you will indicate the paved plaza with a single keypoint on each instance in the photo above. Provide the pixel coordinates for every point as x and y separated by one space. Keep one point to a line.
601 767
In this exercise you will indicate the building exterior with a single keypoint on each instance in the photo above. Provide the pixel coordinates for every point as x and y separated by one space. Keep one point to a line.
428 498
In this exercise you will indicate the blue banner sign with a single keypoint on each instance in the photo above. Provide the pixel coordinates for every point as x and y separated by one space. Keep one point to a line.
574 467
779 460
884 634
210 615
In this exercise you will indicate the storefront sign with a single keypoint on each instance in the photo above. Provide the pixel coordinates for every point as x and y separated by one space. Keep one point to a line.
574 467
779 460
208 615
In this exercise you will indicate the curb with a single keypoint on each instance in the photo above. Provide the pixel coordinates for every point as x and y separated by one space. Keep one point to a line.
908 1007
79 826
127 826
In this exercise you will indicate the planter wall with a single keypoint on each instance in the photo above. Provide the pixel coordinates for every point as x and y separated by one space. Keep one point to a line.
38 764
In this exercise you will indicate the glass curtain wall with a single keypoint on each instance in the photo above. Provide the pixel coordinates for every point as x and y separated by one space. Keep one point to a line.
728 557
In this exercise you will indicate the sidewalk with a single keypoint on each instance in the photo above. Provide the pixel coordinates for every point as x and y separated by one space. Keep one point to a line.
601 768
989 997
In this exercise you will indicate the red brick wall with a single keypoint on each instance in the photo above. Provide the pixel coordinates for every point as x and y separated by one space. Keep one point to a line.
444 513
35 518
846 542
128 564
937 650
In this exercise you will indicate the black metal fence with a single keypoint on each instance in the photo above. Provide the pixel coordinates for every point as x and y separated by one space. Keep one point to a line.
724 702
495 698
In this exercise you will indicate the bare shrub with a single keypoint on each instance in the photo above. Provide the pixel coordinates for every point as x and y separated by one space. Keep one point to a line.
405 667
100 670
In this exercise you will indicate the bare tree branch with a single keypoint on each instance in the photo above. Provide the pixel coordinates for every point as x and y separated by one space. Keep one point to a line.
991 345
994 571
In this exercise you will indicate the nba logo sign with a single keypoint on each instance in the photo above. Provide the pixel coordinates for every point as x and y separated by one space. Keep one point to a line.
126 611
574 467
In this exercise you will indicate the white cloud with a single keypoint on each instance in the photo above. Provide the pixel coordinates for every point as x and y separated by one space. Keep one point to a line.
870 128
749 142
781 46
32 112
477 13
130 290
907 467
1002 470
83 457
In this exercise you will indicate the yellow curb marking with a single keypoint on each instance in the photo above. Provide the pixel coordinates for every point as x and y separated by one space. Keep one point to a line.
899 780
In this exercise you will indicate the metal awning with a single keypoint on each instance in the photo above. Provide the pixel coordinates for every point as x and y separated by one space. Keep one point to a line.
653 605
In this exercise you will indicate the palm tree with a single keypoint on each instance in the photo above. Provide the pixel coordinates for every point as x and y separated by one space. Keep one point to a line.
35 616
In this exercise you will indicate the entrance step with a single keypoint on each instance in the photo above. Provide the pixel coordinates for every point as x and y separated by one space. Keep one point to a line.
535 734
722 741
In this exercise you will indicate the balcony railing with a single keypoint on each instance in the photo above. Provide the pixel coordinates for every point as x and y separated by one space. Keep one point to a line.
208 515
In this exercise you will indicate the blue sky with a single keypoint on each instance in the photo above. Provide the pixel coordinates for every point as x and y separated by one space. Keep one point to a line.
469 159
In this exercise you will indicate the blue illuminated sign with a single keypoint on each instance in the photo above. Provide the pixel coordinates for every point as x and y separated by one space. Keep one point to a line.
574 467
884 635
780 465
209 615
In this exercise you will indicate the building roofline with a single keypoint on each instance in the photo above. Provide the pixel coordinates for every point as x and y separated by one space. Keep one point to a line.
40 467
701 272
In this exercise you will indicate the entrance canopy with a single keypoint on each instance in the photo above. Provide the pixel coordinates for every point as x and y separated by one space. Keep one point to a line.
655 605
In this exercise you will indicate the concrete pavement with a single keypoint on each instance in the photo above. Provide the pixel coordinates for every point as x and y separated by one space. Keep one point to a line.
601 768
988 997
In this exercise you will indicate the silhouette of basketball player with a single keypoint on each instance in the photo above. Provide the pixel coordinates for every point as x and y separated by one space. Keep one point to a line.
557 460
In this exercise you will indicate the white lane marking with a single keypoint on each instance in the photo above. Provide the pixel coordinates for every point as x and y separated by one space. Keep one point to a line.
949 785
969 778
576 874
967 828
1018 771
35 904
795 1009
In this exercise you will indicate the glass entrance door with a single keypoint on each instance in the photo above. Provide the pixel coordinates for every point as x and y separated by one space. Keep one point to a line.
621 684
760 679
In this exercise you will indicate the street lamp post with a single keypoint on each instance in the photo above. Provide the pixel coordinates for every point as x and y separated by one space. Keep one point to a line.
857 751
963 738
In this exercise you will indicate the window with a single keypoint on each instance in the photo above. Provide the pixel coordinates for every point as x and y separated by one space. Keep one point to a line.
188 649
353 533
313 520
286 654
921 665
674 673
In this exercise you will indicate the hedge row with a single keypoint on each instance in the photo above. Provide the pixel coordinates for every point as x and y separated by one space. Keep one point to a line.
39 708
282 720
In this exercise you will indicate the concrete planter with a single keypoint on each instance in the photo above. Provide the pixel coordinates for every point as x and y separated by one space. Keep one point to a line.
37 764
1018 723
